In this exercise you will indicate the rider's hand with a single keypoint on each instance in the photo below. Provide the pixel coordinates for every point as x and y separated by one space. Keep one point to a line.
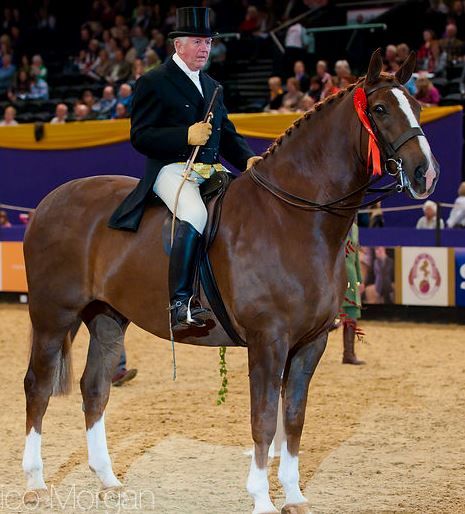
253 160
199 133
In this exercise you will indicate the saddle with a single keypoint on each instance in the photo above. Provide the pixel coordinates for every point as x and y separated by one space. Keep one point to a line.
212 192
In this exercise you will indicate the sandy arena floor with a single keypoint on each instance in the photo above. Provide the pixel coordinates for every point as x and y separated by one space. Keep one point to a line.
384 438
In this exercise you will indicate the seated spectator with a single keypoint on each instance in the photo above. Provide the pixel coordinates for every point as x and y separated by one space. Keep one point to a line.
429 219
139 41
292 98
170 19
121 69
390 59
130 53
120 30
251 21
4 221
25 66
106 39
7 74
322 71
101 67
217 59
138 69
456 217
158 44
376 218
120 112
457 15
81 112
315 89
428 54
89 57
22 83
105 108
403 51
38 69
38 90
306 103
61 114
88 98
151 59
328 88
381 288
450 45
125 97
344 75
301 76
275 99
426 94
9 117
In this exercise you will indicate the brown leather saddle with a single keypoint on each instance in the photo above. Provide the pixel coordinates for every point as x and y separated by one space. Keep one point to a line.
212 192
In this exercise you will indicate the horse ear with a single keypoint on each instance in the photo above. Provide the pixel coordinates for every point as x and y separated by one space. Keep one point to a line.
375 67
404 73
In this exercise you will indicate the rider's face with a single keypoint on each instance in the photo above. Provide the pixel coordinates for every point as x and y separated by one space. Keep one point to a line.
194 51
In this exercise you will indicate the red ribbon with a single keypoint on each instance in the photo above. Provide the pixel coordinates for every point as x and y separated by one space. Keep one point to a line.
373 158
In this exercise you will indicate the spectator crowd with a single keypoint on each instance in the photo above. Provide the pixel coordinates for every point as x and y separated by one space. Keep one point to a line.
121 40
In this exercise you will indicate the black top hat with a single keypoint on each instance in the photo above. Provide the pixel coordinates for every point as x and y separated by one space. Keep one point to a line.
192 21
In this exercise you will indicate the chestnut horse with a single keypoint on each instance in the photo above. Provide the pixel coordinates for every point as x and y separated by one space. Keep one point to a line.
278 258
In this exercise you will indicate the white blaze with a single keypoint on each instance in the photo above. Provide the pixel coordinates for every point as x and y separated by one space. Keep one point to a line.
423 142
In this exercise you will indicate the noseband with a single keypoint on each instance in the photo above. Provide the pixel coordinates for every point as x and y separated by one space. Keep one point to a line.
389 151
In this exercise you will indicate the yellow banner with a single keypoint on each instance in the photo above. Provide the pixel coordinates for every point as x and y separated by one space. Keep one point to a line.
86 134
12 268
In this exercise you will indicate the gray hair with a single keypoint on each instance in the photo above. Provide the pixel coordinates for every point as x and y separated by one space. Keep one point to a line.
430 204
181 39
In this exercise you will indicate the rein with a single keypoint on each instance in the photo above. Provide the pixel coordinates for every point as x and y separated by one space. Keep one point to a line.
389 151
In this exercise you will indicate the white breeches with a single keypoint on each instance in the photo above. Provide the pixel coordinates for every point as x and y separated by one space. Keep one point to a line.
190 206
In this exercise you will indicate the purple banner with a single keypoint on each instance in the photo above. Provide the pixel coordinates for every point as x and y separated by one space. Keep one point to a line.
27 176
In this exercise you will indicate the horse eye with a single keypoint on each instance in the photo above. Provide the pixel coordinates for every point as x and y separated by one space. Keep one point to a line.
379 109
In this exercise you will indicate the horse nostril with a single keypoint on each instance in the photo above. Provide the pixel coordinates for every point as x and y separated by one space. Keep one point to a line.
419 174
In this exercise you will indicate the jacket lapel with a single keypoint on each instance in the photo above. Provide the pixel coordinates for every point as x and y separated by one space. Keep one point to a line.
208 88
183 83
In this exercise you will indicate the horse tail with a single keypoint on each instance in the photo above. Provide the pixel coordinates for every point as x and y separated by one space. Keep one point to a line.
63 378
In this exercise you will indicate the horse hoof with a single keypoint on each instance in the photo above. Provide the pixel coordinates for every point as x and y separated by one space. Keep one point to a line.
115 493
296 508
35 497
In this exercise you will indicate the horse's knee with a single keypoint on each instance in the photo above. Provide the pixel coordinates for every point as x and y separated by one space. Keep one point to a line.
29 381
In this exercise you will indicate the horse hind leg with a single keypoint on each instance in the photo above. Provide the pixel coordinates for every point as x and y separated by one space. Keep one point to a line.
49 373
299 372
105 347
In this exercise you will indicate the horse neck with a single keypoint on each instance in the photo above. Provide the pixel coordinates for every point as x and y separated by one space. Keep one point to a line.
320 158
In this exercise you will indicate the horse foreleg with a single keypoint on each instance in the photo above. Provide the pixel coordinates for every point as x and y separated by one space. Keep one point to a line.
266 364
106 344
299 372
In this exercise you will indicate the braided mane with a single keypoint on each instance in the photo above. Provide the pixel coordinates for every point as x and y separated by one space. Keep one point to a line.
316 108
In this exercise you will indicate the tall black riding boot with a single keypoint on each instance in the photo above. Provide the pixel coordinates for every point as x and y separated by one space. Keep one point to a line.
183 262
349 356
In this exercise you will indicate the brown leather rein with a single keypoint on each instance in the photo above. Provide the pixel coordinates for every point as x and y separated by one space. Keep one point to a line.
389 151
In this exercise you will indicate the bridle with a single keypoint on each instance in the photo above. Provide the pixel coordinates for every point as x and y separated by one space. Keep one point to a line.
388 149
389 152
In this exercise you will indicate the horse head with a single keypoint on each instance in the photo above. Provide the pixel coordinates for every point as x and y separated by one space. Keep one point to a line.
394 117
